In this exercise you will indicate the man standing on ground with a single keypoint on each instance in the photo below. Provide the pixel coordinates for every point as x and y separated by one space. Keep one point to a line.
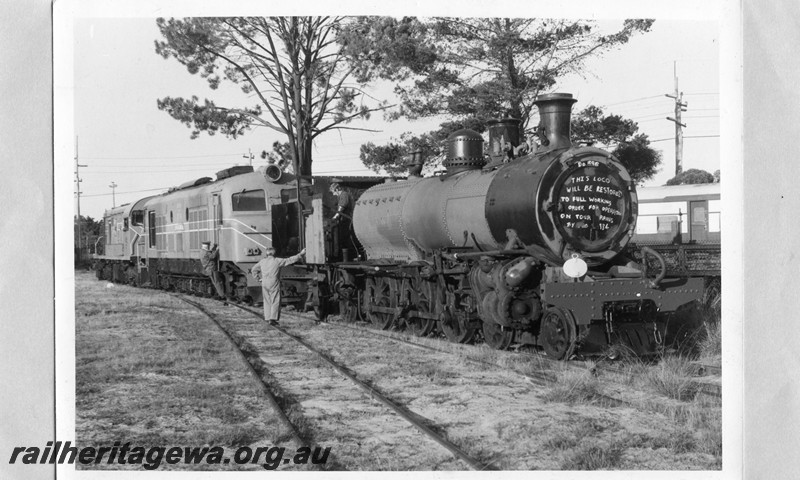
268 272
209 261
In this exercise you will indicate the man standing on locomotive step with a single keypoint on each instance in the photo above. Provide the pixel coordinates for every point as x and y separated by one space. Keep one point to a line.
344 210
268 272
343 219
209 261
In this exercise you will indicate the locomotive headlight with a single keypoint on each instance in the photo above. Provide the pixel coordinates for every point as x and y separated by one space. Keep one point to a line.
575 267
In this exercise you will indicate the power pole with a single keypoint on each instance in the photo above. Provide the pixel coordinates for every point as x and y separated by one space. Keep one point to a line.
113 196
249 156
78 189
680 106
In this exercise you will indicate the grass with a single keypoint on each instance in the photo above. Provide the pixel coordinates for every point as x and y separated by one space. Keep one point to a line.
152 372
705 423
595 457
697 429
633 371
594 444
710 345
695 421
708 425
585 427
678 441
692 422
672 377
575 386
683 430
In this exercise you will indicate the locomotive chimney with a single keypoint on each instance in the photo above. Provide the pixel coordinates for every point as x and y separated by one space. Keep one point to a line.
555 110
503 137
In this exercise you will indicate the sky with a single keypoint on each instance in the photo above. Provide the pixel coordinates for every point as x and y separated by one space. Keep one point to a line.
123 138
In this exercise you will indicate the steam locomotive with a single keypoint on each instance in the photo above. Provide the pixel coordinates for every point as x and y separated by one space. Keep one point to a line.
516 246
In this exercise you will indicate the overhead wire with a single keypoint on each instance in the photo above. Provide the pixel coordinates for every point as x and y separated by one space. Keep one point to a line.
158 158
100 165
122 193
685 136
631 101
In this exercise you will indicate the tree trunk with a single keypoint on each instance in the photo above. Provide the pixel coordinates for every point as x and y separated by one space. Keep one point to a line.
305 159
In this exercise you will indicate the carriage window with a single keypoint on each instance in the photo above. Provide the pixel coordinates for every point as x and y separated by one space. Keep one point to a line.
125 224
249 201
699 215
667 223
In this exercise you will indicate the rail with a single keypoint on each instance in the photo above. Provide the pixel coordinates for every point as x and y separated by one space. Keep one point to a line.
373 393
251 369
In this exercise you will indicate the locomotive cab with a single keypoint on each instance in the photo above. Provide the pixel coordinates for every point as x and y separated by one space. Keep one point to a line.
328 238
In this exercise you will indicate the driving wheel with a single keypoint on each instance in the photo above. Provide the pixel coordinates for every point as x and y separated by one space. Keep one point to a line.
496 336
421 295
558 334
455 327
379 294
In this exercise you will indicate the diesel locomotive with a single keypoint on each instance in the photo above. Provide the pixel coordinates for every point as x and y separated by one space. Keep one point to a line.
156 241
521 244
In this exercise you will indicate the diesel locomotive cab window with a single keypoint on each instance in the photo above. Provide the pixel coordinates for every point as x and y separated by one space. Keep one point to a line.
137 218
288 195
591 203
249 201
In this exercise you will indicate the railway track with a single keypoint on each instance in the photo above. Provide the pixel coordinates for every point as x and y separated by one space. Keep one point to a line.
702 369
704 378
244 337
254 371
545 375
546 371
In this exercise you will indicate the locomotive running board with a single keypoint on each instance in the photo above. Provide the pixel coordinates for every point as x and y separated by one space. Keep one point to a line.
585 299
